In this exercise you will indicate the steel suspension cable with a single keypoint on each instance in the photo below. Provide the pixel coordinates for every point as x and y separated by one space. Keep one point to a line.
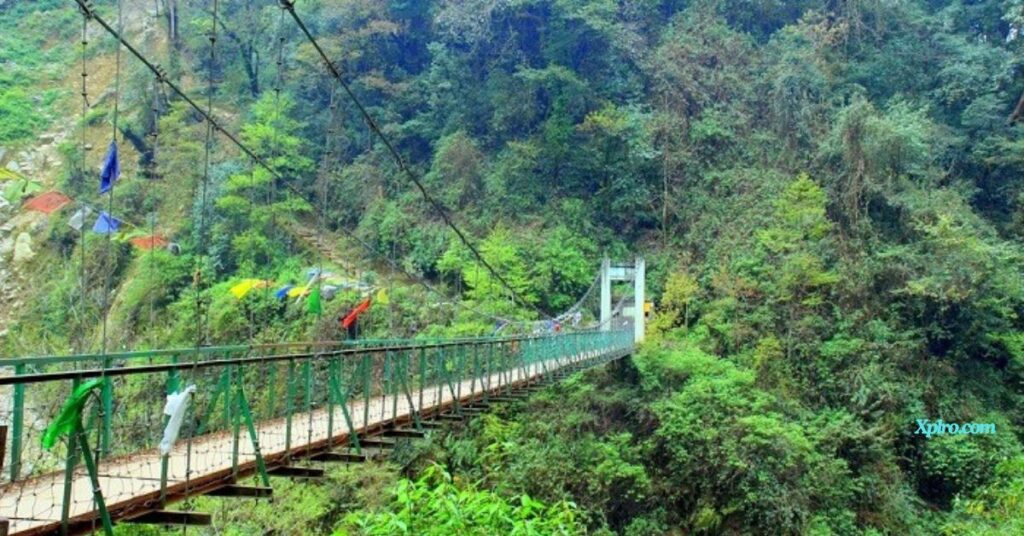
81 206
289 5
106 410
215 125
201 310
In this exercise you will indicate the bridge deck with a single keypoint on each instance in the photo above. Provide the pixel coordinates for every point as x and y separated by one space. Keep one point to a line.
131 484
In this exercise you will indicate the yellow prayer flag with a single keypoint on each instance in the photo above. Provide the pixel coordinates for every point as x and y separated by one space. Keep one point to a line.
243 288
246 285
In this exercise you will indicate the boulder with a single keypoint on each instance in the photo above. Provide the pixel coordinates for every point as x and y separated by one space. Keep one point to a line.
23 248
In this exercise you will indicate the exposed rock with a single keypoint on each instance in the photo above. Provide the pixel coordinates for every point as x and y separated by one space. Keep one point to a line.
13 166
21 219
23 248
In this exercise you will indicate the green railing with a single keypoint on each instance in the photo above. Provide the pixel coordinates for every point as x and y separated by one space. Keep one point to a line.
255 406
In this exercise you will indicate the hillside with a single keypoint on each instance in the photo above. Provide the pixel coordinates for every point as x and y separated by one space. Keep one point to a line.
829 196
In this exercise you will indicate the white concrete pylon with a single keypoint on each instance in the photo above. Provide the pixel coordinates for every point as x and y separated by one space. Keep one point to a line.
635 274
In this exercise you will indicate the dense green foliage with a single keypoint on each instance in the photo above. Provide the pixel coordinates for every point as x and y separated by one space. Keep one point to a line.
434 505
829 195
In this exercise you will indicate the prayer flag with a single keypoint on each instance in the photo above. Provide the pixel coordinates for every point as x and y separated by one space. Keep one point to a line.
241 289
149 242
77 220
282 292
48 203
111 169
106 224
174 408
354 315
313 302
297 292
70 415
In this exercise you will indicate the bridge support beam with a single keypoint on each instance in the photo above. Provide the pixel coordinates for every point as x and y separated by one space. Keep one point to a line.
257 492
340 457
297 472
173 517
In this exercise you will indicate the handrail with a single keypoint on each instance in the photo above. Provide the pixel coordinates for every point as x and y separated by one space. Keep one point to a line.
413 344
203 350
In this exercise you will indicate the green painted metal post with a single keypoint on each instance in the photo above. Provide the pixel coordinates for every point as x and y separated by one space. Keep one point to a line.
448 380
107 396
342 394
246 411
366 366
17 424
385 377
476 370
396 372
272 382
233 416
487 388
332 380
437 377
423 376
69 474
502 358
526 353
94 479
408 395
307 375
289 407
460 353
223 388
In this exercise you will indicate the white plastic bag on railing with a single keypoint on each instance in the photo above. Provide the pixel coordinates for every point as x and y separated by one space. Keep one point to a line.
175 408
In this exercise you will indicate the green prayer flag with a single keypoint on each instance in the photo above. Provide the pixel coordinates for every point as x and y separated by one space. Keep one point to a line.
70 414
313 302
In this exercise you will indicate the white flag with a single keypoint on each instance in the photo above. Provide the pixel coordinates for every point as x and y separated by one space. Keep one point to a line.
175 408
78 218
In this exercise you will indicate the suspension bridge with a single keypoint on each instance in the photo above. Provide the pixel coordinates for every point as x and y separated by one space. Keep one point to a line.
250 412
317 403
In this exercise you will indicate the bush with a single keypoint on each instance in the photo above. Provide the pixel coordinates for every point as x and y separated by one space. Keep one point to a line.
436 504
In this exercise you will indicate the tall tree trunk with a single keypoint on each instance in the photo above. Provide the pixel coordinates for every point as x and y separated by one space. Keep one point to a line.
171 12
1018 111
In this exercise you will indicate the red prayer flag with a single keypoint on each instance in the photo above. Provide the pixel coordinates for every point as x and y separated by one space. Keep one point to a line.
360 309
48 202
149 242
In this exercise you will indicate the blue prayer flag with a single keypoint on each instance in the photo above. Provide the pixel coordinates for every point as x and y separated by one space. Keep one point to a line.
111 169
106 224
282 292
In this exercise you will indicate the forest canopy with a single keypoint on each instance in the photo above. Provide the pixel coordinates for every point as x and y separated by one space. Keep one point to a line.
830 196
